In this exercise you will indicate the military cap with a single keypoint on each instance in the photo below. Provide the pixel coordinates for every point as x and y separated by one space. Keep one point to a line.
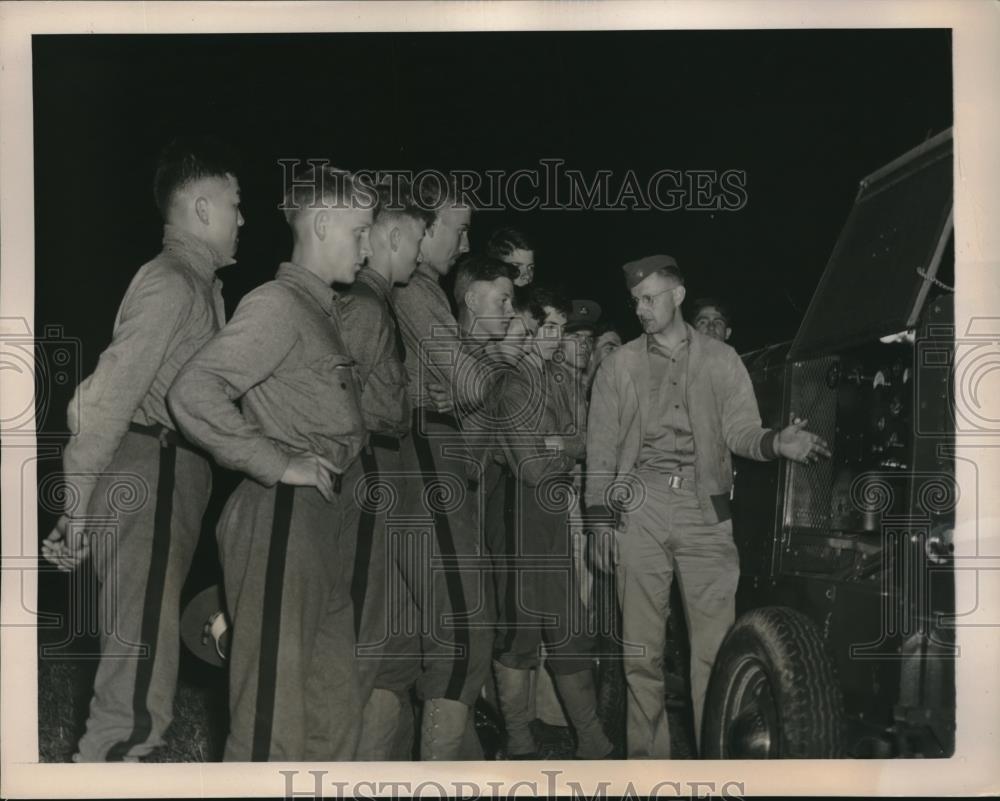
205 627
584 314
636 271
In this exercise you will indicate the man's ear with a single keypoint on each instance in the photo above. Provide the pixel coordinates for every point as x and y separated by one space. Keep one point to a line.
471 300
729 333
394 236
201 210
320 222
679 293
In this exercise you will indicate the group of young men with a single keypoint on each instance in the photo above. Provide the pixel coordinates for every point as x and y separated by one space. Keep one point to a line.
419 474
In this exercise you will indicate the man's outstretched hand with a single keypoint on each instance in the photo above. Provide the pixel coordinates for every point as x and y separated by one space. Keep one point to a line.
799 445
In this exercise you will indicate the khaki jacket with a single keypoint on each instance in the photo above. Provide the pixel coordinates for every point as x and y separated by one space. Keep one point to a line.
721 405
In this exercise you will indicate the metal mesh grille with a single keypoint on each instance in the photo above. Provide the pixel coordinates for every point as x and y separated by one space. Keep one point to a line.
810 492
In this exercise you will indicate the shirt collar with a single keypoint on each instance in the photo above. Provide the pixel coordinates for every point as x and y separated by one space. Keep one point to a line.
653 346
201 256
310 283
424 270
377 282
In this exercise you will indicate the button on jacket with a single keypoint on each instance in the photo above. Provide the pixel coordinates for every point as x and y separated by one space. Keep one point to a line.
283 355
172 307
369 330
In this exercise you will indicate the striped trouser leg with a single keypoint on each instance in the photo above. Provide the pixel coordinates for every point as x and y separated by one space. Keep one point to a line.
293 681
153 497
452 597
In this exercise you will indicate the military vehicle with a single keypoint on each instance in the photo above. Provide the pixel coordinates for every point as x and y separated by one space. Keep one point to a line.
841 646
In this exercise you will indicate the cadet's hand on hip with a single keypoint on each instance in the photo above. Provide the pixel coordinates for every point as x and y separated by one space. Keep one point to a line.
799 445
66 546
311 470
441 398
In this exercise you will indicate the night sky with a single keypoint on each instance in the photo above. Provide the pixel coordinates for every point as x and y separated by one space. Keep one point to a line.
805 114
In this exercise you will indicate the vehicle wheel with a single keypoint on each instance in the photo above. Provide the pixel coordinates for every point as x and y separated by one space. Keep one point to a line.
773 692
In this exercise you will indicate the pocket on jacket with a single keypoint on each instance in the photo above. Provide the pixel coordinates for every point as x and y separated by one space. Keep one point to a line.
723 507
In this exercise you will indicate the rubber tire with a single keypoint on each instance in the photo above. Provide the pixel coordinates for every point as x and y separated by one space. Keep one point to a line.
808 701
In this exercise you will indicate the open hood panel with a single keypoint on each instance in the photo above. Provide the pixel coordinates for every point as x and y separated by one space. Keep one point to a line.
878 276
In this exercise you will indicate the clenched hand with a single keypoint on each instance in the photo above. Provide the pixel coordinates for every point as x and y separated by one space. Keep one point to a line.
311 470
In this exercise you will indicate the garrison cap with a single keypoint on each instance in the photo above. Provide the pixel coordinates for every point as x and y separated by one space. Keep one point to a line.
636 271
205 627
584 314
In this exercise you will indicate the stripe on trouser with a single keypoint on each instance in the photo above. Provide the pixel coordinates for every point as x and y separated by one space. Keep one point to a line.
152 606
453 581
270 624
510 542
365 541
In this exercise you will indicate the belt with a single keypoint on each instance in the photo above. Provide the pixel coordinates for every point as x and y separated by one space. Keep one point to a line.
385 442
438 418
675 481
166 436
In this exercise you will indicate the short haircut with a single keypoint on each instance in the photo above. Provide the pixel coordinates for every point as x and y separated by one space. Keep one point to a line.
396 203
704 303
504 241
541 296
434 191
188 159
313 186
479 267
607 327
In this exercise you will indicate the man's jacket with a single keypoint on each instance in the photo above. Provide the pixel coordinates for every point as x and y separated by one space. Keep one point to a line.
721 406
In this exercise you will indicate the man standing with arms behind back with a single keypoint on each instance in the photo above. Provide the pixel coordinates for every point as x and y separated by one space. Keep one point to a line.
666 410
456 655
172 307
388 658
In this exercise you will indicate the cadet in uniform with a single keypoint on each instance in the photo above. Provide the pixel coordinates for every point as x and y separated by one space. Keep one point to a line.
456 655
172 307
286 533
372 336
542 436
666 410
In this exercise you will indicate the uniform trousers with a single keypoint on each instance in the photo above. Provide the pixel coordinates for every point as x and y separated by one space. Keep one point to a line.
287 557
541 601
667 535
444 560
146 510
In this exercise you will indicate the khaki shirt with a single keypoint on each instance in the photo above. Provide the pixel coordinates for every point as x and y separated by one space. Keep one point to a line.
668 445
535 402
372 338
434 350
172 307
283 358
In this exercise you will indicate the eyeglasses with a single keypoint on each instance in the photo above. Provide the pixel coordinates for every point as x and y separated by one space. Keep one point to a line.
647 300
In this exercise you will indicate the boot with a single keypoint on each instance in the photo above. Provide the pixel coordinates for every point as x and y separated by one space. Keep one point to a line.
380 722
514 691
442 729
580 699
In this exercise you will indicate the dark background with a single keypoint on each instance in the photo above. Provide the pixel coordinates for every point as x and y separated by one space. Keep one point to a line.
805 114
